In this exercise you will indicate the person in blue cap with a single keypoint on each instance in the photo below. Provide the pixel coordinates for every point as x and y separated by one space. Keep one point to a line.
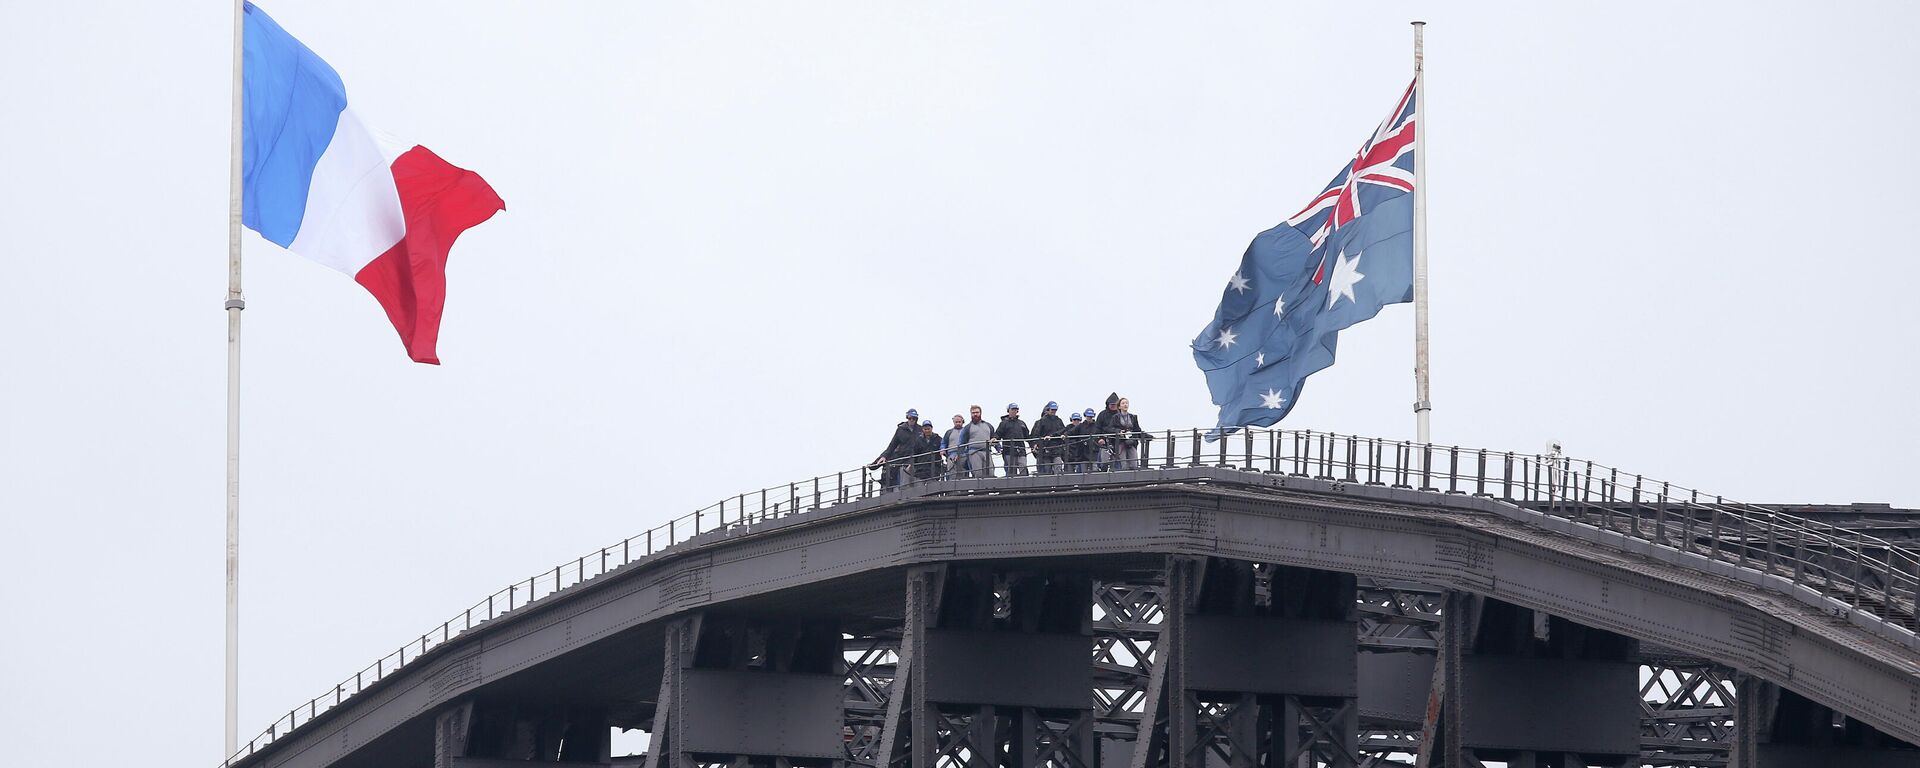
1080 442
1012 437
1049 451
893 461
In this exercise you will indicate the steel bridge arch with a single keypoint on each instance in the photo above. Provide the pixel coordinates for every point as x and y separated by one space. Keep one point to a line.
852 554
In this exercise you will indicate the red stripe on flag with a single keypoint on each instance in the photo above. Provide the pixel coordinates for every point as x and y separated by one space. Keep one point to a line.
440 201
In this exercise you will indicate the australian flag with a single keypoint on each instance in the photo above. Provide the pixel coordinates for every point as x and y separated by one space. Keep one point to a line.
1333 264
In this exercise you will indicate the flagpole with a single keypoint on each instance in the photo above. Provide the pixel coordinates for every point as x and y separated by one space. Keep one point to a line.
235 303
1423 403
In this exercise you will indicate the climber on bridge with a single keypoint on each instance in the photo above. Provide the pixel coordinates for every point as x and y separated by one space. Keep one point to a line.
966 446
1012 437
926 453
1079 442
895 457
1049 449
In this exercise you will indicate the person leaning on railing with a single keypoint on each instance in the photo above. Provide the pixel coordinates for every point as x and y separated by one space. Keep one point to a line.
1130 437
895 458
1104 442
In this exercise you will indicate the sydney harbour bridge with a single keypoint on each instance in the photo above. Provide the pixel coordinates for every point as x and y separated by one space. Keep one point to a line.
1276 599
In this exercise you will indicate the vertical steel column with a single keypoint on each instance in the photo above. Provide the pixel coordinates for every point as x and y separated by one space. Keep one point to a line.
1747 721
660 740
450 732
902 670
1181 584
921 590
1457 626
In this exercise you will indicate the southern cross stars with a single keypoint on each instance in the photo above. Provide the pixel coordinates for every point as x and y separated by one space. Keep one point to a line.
1259 359
1226 339
1237 283
1346 272
1280 307
1272 399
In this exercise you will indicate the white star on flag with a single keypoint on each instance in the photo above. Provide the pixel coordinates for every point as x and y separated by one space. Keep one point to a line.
1280 307
1271 399
1259 359
1226 339
1237 283
1345 273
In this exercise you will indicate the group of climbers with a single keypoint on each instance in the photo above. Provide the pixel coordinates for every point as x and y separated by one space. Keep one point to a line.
1111 439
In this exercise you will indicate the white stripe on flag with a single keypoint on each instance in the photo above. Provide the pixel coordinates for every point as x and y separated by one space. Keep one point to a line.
353 210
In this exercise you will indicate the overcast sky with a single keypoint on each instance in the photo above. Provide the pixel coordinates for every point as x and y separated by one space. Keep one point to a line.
741 238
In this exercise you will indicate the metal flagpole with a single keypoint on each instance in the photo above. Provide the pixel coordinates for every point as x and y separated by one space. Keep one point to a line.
235 303
1423 403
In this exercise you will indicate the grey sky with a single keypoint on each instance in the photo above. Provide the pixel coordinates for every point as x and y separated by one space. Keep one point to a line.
741 238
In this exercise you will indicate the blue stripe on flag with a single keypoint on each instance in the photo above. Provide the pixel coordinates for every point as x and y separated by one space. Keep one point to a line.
292 103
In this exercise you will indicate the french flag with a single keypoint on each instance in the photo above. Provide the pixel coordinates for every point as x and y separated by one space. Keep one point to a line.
317 182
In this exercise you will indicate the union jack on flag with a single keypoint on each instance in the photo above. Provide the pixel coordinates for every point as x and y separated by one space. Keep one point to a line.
1386 159
1337 262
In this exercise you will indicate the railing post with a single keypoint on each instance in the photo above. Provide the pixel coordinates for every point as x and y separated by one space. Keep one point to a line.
1660 516
1506 479
1799 553
1453 469
1859 566
840 482
1247 447
1197 461
1172 449
1480 475
1833 542
1773 522
1636 506
1426 466
1607 503
1686 528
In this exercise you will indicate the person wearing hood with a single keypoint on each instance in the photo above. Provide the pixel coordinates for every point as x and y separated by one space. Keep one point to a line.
1104 443
895 457
1049 449
1011 434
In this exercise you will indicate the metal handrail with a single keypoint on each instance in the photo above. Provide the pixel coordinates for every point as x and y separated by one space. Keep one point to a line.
1868 575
